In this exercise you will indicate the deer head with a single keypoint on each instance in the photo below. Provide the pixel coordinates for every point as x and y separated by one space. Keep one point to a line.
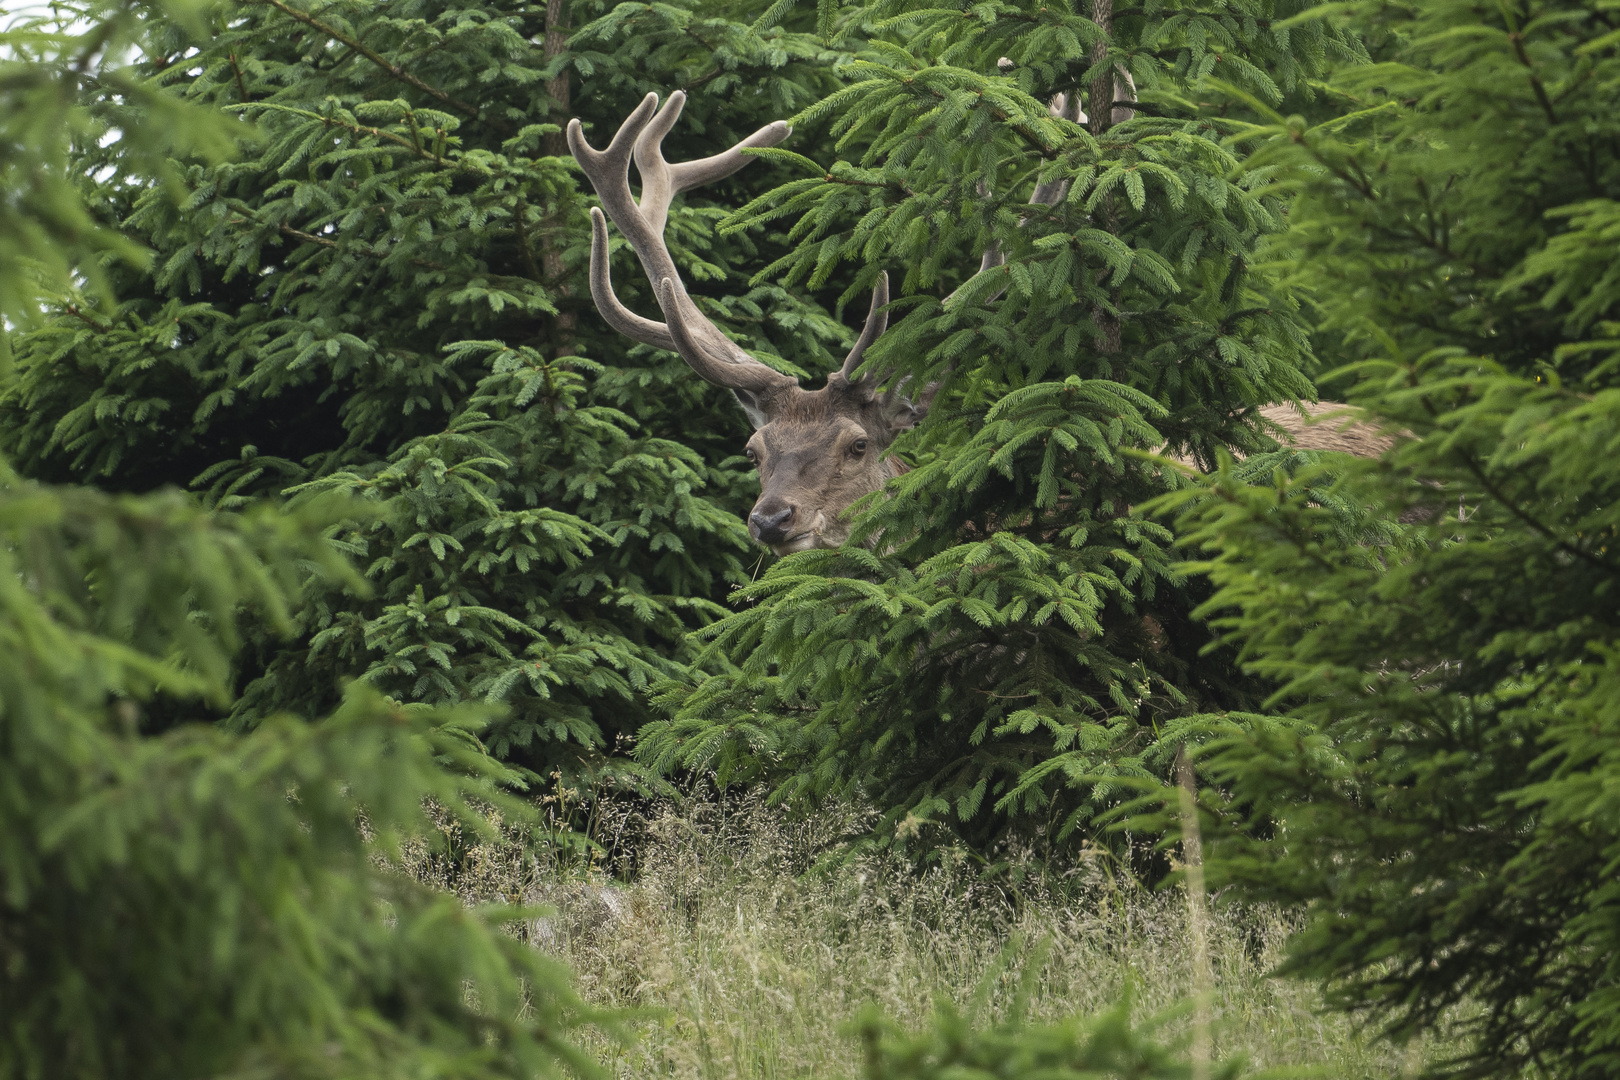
817 451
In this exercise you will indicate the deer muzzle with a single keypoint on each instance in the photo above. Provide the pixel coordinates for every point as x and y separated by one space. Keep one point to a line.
771 524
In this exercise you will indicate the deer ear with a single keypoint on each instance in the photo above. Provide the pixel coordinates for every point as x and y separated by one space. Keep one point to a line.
903 412
906 417
753 406
900 412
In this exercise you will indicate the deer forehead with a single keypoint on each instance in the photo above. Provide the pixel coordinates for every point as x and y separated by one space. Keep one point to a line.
783 437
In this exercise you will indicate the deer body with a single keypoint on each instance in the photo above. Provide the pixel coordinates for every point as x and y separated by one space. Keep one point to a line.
817 451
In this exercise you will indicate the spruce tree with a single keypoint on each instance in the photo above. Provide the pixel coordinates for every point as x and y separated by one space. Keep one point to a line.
1017 641
197 904
1440 790
381 294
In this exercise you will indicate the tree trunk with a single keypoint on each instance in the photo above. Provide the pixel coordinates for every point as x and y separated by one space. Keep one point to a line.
552 270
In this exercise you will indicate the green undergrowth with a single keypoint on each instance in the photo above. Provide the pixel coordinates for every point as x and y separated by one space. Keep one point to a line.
753 956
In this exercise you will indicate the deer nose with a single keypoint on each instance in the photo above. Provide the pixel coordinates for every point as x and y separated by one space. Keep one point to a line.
770 528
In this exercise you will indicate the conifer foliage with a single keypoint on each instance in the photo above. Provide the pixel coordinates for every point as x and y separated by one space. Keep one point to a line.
201 904
1019 636
361 294
379 295
46 57
1109 1045
196 903
1442 791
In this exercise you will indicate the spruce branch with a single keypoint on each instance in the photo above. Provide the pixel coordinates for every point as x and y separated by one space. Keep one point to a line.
389 66
357 129
1512 506
328 242
75 311
1517 39
308 238
912 85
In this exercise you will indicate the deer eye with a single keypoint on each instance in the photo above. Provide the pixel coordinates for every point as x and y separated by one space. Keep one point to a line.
753 458
858 447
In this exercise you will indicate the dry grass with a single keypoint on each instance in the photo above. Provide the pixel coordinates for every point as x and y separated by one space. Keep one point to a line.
753 963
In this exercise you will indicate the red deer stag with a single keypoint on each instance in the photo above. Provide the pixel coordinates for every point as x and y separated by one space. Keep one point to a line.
817 451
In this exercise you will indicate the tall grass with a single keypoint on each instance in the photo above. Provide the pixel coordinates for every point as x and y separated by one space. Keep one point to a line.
752 957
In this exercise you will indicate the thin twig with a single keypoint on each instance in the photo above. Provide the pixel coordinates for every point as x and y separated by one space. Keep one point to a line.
73 309
1513 508
310 238
518 214
241 87
361 129
387 65
1535 80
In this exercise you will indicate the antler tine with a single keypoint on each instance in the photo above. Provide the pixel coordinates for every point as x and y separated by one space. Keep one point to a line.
687 342
877 321
1051 192
1124 91
701 344
609 173
621 318
661 180
609 170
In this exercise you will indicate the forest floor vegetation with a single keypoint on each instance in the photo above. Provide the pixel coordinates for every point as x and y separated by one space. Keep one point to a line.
751 949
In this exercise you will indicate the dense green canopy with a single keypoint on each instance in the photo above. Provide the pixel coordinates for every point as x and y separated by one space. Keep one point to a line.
1438 785
330 498
1020 641
381 295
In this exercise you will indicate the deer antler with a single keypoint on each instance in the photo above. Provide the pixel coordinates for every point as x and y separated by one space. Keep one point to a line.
877 321
686 330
